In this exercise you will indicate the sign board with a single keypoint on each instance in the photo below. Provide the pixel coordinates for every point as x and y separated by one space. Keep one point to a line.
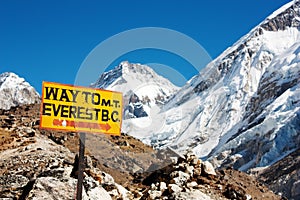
80 109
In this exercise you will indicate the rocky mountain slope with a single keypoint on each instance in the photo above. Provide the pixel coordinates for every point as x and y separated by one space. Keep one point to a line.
16 91
40 164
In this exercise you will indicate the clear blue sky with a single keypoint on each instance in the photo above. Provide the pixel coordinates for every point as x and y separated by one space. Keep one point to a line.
48 40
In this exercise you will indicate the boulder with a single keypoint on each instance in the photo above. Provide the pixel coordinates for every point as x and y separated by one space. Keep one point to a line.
208 168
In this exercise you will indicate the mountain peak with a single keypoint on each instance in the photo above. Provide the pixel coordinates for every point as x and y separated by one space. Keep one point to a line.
135 68
130 77
139 82
15 91
11 75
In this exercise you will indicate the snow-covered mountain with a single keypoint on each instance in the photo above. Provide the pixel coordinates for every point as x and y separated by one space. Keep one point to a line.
15 91
142 88
242 110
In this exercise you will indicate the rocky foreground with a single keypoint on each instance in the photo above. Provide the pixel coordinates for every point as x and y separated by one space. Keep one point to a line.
39 164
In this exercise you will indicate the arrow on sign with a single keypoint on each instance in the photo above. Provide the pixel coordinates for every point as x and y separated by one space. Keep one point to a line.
105 126
64 123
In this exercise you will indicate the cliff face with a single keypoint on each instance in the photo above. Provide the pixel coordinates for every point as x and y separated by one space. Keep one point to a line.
283 176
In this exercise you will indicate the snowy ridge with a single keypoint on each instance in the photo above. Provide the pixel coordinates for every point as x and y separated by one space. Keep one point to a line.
280 10
15 91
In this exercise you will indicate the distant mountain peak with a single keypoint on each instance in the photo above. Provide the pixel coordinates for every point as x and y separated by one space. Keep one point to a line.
136 68
15 91
139 81
125 71
11 75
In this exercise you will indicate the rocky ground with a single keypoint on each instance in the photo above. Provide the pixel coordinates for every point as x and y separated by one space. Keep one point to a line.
283 176
39 164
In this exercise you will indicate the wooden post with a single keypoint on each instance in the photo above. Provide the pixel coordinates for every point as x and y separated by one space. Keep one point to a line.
80 165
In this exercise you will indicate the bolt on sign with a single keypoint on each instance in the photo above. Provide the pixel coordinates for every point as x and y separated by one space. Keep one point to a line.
80 109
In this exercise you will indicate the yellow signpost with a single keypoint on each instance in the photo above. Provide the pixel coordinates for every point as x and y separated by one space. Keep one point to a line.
80 109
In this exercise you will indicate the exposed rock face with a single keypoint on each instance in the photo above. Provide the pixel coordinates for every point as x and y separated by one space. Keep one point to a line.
283 176
15 91
135 108
288 18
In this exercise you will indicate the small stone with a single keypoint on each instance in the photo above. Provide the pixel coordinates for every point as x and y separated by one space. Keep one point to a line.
72 134
195 161
226 177
29 131
174 174
189 170
197 171
192 184
181 166
174 160
248 197
173 188
88 162
162 186
153 194
113 192
107 179
208 168
220 187
153 186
